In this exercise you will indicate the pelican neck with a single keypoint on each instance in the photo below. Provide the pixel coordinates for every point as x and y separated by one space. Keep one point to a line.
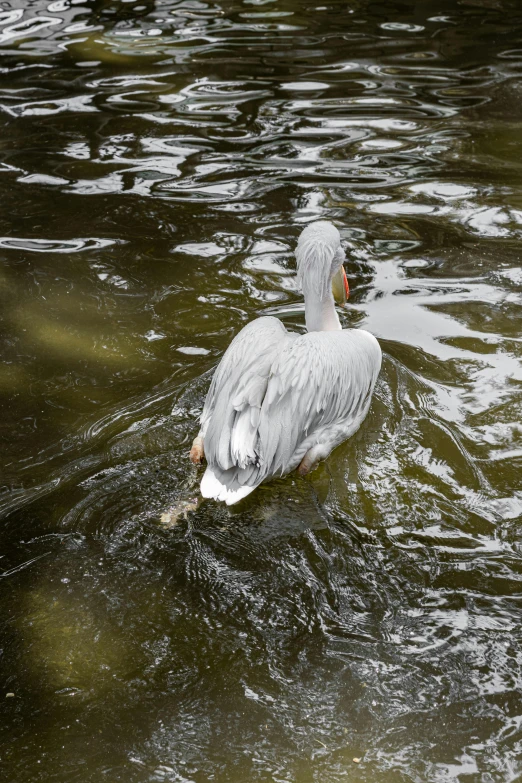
320 314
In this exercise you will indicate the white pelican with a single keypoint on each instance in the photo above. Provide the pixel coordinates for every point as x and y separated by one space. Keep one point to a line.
280 401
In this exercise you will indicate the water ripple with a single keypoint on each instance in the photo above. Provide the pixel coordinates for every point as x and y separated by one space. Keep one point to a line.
158 162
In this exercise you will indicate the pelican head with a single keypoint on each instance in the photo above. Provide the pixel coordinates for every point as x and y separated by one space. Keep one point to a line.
320 260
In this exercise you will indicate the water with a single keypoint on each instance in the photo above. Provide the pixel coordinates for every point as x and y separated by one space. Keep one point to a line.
158 161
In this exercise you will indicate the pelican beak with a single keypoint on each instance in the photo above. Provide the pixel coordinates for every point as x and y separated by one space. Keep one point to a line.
340 287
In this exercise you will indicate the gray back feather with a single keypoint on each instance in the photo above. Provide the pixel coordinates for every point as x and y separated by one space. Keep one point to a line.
314 381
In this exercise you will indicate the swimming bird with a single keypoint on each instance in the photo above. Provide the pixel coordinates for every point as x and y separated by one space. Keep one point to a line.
281 401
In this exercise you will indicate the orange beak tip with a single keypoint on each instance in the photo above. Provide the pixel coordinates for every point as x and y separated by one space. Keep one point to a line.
346 286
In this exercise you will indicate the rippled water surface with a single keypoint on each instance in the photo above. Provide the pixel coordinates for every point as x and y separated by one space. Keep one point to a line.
158 160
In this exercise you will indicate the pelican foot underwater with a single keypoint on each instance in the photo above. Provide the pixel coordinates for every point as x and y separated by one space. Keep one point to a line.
281 401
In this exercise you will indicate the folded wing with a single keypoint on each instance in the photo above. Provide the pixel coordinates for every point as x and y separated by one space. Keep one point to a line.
324 380
230 418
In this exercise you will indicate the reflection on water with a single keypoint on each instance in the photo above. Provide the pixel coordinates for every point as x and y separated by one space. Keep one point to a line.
158 161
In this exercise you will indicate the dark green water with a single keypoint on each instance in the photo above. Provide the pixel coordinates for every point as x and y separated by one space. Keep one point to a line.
157 162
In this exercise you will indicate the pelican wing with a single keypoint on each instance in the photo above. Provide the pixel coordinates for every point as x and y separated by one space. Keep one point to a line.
230 417
322 381
293 394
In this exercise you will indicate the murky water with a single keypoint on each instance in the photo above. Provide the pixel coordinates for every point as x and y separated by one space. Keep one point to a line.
158 161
